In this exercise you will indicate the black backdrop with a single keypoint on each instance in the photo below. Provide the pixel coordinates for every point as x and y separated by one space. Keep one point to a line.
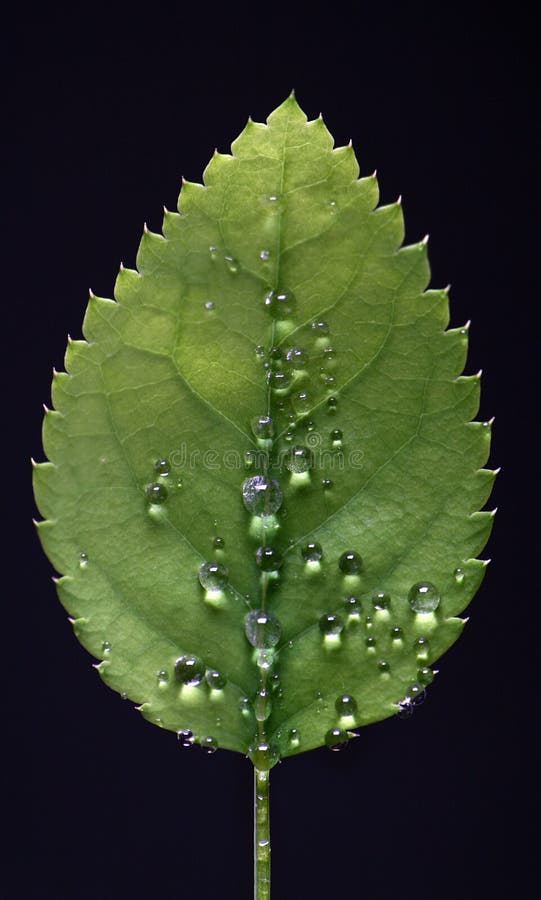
105 112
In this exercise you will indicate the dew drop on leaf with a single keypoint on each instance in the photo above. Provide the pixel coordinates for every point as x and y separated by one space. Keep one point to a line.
262 496
332 404
162 676
185 738
209 744
336 739
213 576
218 543
245 706
383 666
320 328
424 597
162 467
262 705
370 643
156 493
215 680
83 560
326 484
312 552
263 754
381 600
331 624
295 357
396 633
350 563
262 629
279 381
293 738
263 427
346 705
268 559
280 304
425 675
353 606
298 460
231 264
106 647
336 437
189 670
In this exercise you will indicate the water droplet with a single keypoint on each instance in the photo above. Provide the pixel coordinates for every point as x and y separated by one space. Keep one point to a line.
320 328
265 659
350 563
218 543
326 484
185 738
381 600
405 708
459 575
336 437
370 643
124 696
346 705
328 379
384 666
331 624
249 459
312 552
280 304
260 352
209 304
272 201
213 576
245 706
275 682
106 647
289 435
268 559
396 633
329 353
353 606
262 705
209 744
333 207
264 255
310 425
263 427
296 357
189 670
232 264
264 755
156 493
162 467
336 739
425 675
279 381
332 404
298 459
262 628
215 680
417 694
83 560
424 597
293 737
162 676
422 646
262 496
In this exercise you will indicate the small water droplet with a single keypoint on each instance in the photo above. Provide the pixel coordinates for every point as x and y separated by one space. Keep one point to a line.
384 666
280 304
265 659
262 705
333 208
396 633
381 600
329 353
162 467
218 543
249 459
213 576
293 738
346 705
279 381
156 493
370 643
328 379
106 647
124 696
336 739
215 680
232 264
353 606
312 552
310 425
185 738
332 404
298 459
331 624
405 708
417 694
350 563
268 559
262 496
264 255
245 706
209 304
296 357
272 201
425 675
262 628
459 575
189 670
83 560
162 676
209 744
260 352
263 754
213 253
336 437
320 328
327 483
424 597
422 646
263 427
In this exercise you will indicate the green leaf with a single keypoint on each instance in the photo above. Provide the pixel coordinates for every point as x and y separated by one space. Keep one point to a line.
278 289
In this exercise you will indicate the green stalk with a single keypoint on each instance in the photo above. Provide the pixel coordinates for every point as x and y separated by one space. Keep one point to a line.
262 847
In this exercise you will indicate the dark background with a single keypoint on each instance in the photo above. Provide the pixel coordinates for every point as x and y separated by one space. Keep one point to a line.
104 112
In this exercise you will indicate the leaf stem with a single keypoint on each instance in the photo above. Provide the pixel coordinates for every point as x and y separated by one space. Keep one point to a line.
262 847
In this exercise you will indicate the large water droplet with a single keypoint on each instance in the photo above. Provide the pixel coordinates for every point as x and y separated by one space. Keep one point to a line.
331 624
213 576
185 738
346 705
189 670
298 459
396 633
263 428
156 493
336 738
280 304
262 496
215 680
209 744
350 563
312 552
381 600
262 628
424 597
279 381
263 754
268 559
